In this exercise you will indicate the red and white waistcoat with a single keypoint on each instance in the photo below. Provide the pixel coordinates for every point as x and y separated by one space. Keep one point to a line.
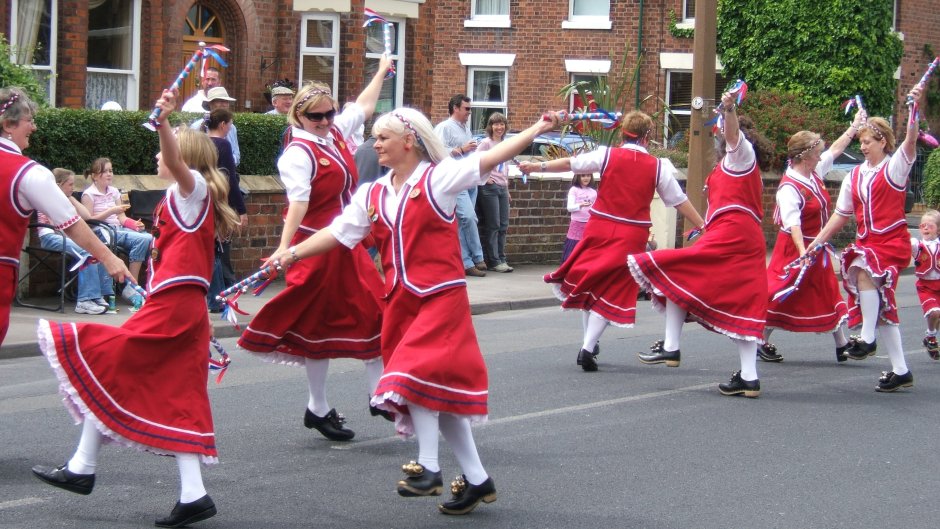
927 259
419 245
181 254
13 166
814 204
332 182
729 191
883 211
623 195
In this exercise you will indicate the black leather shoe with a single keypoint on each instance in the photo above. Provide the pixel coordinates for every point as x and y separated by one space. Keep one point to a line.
63 478
861 349
840 352
586 360
658 355
739 386
932 347
331 426
385 414
891 382
420 482
597 350
184 514
467 497
768 353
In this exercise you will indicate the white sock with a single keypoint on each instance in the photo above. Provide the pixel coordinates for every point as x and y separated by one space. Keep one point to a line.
86 455
316 383
459 436
748 353
675 318
426 426
839 336
585 316
374 368
870 303
930 332
891 340
595 328
191 487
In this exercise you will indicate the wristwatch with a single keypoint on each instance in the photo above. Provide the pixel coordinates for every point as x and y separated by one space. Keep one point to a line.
542 166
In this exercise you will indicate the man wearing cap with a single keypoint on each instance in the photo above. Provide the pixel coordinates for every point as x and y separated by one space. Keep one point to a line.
218 98
210 81
281 97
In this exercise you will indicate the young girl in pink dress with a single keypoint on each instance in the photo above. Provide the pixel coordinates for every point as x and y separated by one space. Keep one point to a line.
580 198
144 384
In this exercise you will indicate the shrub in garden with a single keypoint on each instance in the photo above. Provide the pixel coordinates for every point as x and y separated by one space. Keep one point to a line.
932 180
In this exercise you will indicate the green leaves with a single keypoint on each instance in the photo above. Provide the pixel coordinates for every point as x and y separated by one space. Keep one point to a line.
12 74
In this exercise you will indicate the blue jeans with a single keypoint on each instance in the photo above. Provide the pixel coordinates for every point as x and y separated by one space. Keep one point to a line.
470 249
136 244
93 280
494 201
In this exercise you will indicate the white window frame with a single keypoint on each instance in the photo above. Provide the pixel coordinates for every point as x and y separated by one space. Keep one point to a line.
133 74
332 51
488 21
53 45
398 59
501 106
586 22
685 11
585 68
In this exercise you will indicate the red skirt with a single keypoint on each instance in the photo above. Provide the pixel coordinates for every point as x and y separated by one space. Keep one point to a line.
884 258
721 281
593 277
330 308
928 290
816 306
431 357
144 383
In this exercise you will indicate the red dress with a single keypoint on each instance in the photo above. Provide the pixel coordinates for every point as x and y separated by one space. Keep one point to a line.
927 264
144 383
591 278
429 346
721 281
817 305
330 306
882 240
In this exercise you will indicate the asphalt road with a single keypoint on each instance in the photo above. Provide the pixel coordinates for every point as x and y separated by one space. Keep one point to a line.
630 446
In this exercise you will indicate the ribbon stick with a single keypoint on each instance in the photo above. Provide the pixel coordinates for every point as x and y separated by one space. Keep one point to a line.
203 50
853 102
374 18
926 77
608 120
221 364
718 122
230 306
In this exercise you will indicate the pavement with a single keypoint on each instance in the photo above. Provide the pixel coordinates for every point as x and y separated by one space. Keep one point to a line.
521 289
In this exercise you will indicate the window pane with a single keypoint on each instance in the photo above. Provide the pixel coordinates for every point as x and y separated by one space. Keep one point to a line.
680 90
33 34
591 8
375 38
387 97
317 68
488 86
109 35
319 34
101 87
689 9
491 7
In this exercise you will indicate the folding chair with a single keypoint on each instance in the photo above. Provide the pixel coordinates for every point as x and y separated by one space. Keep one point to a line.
54 261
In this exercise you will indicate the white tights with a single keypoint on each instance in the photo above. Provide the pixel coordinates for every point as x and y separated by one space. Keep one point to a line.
594 327
457 433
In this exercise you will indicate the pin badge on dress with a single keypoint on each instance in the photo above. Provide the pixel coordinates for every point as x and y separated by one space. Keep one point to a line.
155 255
324 162
414 193
371 213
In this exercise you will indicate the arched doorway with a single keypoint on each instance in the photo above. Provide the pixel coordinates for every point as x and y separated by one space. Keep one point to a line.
201 25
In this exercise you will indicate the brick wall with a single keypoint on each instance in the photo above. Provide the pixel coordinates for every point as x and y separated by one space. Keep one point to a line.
918 20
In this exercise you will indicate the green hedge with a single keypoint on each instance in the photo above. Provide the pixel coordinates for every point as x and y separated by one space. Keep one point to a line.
72 138
931 182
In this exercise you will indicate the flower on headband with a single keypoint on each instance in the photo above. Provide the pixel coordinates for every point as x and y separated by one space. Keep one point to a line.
9 102
808 149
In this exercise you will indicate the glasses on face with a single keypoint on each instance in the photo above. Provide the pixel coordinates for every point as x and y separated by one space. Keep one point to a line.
926 225
319 116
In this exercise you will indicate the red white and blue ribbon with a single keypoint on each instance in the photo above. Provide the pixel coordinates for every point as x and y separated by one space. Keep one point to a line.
926 77
802 264
718 122
374 18
221 363
201 53
693 233
853 102
230 310
607 120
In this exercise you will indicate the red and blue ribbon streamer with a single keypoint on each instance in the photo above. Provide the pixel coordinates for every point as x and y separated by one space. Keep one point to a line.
201 53
230 306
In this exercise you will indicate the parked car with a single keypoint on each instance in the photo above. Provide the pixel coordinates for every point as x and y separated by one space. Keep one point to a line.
551 145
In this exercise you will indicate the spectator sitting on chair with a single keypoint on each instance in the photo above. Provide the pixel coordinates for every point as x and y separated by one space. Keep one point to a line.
218 98
210 81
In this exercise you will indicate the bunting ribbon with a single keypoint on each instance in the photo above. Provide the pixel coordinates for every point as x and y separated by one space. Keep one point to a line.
221 364
802 264
230 305
201 53
374 18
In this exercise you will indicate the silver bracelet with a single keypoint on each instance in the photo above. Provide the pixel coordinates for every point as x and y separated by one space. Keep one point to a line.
293 253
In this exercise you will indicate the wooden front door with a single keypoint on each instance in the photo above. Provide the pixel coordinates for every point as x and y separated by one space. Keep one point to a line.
202 25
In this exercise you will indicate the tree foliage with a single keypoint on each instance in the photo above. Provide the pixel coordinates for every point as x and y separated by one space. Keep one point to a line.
12 74
824 51
932 180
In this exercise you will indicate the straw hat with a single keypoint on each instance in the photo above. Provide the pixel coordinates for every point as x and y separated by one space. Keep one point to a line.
216 94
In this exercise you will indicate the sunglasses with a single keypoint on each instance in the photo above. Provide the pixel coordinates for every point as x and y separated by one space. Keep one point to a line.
318 116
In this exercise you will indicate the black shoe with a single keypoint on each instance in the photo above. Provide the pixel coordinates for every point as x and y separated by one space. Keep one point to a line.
891 382
385 414
739 386
331 426
933 348
184 514
861 349
768 353
840 352
586 360
63 478
420 482
658 355
467 497
597 350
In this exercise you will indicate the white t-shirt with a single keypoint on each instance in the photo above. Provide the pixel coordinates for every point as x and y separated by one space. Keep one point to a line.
37 190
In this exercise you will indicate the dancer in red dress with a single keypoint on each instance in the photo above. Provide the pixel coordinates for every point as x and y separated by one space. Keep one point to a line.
330 307
591 279
435 379
144 384
926 253
720 281
26 186
802 210
874 193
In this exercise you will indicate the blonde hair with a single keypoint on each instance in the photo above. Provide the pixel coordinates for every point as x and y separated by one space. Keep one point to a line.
311 95
61 175
802 143
636 126
931 215
879 129
403 121
199 153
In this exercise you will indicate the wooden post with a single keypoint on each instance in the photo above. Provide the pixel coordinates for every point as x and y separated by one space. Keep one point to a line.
701 139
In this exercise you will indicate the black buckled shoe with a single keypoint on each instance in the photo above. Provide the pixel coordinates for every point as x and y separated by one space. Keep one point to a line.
379 412
840 351
933 348
890 381
63 478
658 355
331 426
184 514
739 386
586 360
768 353
420 482
467 497
861 349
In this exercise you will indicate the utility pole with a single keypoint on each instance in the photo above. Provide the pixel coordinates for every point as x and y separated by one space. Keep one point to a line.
701 141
